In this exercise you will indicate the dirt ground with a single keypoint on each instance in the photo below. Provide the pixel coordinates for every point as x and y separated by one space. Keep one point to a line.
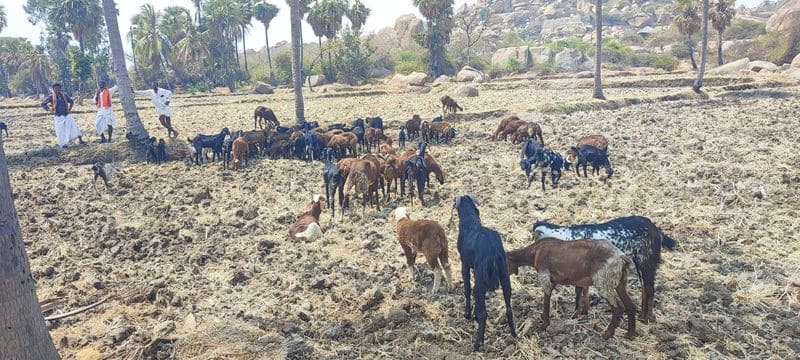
197 264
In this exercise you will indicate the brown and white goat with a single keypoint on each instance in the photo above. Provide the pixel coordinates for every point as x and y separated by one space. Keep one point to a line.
596 140
427 237
306 227
363 179
580 263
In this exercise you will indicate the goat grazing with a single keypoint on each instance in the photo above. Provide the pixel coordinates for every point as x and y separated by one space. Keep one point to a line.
214 142
548 161
264 116
362 179
596 140
334 181
3 128
306 227
581 263
481 250
449 105
503 124
636 236
427 237
412 127
239 153
530 149
588 154
528 130
104 171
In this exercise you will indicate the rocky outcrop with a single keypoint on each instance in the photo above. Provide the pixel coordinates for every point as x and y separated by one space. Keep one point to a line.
406 27
413 79
541 55
787 18
796 61
317 80
730 68
762 66
567 60
263 88
470 74
505 57
564 27
465 91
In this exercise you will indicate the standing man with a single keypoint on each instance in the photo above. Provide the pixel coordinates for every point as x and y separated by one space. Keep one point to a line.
161 99
60 105
105 114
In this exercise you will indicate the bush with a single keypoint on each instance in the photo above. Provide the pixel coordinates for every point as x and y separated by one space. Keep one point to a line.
680 50
569 43
744 29
658 61
511 39
260 72
512 65
282 65
409 61
633 40
352 58
616 53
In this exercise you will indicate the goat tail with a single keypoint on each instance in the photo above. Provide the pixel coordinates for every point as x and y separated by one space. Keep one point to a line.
613 273
488 270
667 241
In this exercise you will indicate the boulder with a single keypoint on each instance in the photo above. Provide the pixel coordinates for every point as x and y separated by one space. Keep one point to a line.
796 61
501 6
731 67
502 58
413 79
379 72
465 91
418 89
584 75
317 80
541 54
786 19
793 73
443 79
263 88
567 60
640 20
406 27
564 27
470 74
759 66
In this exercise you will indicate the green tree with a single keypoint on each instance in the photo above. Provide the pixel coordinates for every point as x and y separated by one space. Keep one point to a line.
688 23
38 66
223 28
152 43
80 66
721 15
198 11
358 13
3 80
245 17
265 13
704 51
439 17
82 18
175 22
295 15
316 18
598 59
352 57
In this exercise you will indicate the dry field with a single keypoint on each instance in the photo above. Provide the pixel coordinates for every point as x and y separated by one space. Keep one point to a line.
198 266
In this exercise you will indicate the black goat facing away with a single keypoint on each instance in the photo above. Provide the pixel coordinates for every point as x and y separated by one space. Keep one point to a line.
214 142
548 161
151 152
313 146
530 149
161 151
636 236
402 137
332 176
376 122
481 250
416 170
3 128
588 154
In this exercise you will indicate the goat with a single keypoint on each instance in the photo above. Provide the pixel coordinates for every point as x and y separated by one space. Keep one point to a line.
214 142
393 170
264 116
588 154
256 140
373 136
104 171
332 176
596 140
386 149
362 179
425 130
481 250
529 130
581 263
280 148
3 128
416 170
427 237
548 161
510 129
306 227
344 143
314 144
358 123
503 124
401 138
530 149
449 105
442 132
151 154
636 236
376 122
412 127
239 153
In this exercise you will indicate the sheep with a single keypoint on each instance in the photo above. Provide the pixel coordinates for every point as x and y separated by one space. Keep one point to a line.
449 105
412 127
548 161
427 237
588 154
503 125
481 250
581 263
214 142
306 227
636 236
332 176
362 179
264 116
3 128
239 153
527 131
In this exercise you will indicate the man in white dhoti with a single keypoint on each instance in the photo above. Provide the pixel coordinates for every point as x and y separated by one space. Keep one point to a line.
60 105
161 99
105 113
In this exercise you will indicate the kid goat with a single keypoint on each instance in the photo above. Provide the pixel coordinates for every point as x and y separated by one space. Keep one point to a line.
427 237
306 227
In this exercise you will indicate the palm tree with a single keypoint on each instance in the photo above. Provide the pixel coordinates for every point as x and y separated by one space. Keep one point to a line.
151 41
265 13
244 17
24 334
81 16
699 83
316 18
36 63
721 16
198 11
3 83
223 30
598 85
439 16
688 22
295 8
135 127
358 14
175 23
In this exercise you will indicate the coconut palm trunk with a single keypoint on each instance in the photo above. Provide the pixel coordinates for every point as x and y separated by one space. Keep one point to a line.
3 82
703 51
23 335
719 48
691 52
269 57
297 66
135 126
244 50
598 58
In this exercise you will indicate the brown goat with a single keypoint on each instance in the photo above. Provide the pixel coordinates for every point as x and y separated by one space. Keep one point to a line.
387 149
373 137
528 130
392 171
362 179
256 138
239 151
427 237
264 116
441 132
596 140
580 263
449 105
503 124
413 126
344 143
306 227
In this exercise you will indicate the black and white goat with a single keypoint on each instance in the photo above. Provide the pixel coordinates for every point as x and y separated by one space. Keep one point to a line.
530 149
550 162
636 236
3 128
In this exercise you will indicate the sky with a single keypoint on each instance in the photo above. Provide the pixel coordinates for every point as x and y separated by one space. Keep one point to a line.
384 13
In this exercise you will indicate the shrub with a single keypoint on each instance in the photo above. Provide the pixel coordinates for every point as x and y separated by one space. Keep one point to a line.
744 29
352 58
512 65
616 53
658 61
680 50
282 65
409 61
511 39
571 43
632 40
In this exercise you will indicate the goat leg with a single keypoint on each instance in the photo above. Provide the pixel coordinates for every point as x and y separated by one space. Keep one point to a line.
546 312
465 274
480 316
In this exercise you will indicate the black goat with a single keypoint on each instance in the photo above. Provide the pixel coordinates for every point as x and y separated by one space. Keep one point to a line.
416 170
214 142
376 122
481 250
636 236
161 151
359 131
358 123
530 149
332 176
588 154
313 145
104 171
151 155
283 130
548 161
3 128
227 147
437 119
402 137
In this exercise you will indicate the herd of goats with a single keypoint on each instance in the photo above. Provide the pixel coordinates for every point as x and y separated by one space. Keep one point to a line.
360 160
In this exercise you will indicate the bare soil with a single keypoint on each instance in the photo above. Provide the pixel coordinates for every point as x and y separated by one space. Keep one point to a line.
200 265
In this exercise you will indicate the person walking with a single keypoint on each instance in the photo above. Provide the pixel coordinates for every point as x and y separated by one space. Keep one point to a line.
105 120
60 105
161 99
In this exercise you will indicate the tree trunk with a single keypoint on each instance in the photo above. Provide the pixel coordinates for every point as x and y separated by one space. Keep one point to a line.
691 52
269 57
135 126
236 51
719 49
23 334
297 65
703 51
598 58
244 50
4 91
321 59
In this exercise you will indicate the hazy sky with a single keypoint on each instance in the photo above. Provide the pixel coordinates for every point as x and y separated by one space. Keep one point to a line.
384 13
